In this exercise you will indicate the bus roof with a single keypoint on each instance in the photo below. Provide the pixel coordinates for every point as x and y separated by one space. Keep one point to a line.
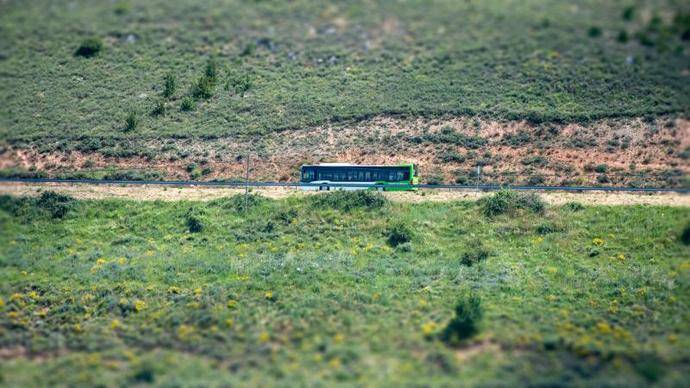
356 165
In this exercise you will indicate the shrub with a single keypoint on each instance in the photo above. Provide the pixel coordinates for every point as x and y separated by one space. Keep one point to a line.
623 36
193 221
451 157
187 104
211 71
628 13
49 204
508 202
399 234
89 47
158 109
170 85
194 224
476 254
240 202
574 206
594 32
203 88
349 200
240 84
131 121
685 236
601 168
468 314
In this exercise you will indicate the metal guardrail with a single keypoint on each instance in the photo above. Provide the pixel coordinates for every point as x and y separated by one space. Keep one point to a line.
483 187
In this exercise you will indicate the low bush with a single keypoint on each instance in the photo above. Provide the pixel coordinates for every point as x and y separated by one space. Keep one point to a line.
350 200
475 254
158 109
685 236
399 234
465 323
194 224
89 47
240 202
239 83
187 104
48 204
203 88
131 121
170 85
508 202
574 206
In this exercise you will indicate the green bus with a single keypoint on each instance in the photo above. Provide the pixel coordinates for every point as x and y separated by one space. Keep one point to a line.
345 176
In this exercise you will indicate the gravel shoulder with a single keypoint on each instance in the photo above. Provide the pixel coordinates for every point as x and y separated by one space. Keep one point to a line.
155 192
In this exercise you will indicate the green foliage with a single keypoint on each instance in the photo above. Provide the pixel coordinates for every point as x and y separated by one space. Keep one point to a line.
169 85
465 323
347 200
594 32
211 71
203 88
574 206
327 76
623 36
159 108
629 13
188 104
89 47
239 83
685 236
194 223
399 234
476 252
131 121
508 202
48 204
122 282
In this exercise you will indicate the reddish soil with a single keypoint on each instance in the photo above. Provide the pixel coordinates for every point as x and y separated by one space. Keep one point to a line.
636 152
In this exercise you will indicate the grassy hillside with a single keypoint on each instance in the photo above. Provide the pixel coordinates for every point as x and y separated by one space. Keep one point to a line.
293 64
338 288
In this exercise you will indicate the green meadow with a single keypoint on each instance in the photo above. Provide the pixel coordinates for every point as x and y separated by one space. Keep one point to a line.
342 289
93 71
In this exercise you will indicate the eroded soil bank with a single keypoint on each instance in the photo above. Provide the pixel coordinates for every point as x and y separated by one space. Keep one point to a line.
634 152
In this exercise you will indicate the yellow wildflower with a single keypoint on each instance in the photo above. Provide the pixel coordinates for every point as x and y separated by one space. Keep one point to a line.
139 305
264 337
116 324
672 338
184 331
2 302
334 363
77 328
603 328
684 266
268 295
232 304
198 291
621 257
598 241
174 290
429 328
123 302
16 297
338 338
24 273
551 270
122 261
101 261
33 295
228 322
551 298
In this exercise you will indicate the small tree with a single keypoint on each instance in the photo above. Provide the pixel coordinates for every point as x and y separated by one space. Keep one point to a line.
131 121
89 47
170 86
187 104
468 313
